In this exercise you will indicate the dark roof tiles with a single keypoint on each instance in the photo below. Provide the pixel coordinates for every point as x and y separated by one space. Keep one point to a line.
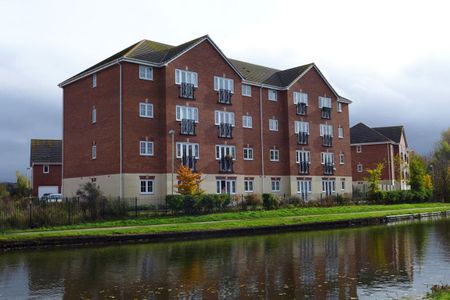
361 133
392 132
46 151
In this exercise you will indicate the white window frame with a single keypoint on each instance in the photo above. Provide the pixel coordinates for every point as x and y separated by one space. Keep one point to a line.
186 112
341 158
221 116
94 152
300 126
94 115
302 154
94 80
228 149
192 147
339 107
359 168
308 183
145 110
46 169
188 76
333 185
340 132
358 148
246 90
326 157
231 182
275 185
324 102
300 97
274 155
249 185
145 72
247 121
273 124
247 153
223 83
148 147
147 190
342 184
272 95
326 129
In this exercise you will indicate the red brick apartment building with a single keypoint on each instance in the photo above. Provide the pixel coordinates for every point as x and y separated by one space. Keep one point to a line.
387 145
46 166
133 118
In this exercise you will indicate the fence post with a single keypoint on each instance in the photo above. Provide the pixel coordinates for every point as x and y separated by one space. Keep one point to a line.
68 209
242 201
30 207
135 207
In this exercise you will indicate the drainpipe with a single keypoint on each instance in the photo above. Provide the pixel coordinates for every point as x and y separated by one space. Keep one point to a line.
261 138
120 133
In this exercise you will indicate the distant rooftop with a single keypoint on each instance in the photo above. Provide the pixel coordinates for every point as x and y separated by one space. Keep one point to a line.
361 133
45 151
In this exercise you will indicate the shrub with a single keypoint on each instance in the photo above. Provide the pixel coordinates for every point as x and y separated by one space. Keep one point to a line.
175 202
252 200
295 200
209 202
191 204
269 201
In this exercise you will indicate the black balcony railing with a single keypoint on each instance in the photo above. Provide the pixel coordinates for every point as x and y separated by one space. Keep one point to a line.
327 140
302 109
225 130
187 90
302 138
187 127
189 161
326 112
303 167
226 164
225 96
328 169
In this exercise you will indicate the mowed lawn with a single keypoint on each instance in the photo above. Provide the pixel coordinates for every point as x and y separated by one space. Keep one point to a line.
219 221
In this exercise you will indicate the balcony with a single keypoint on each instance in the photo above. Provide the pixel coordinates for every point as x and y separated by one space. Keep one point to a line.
303 167
226 164
326 112
225 130
302 138
187 127
187 91
327 140
189 161
328 169
225 96
302 109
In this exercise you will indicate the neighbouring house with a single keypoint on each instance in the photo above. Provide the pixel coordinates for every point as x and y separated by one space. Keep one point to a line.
387 145
46 166
133 118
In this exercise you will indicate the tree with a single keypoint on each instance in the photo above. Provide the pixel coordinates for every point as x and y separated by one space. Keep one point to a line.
417 172
21 189
90 195
3 191
441 168
374 179
189 182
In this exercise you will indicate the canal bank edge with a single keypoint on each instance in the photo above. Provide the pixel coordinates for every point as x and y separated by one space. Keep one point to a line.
205 234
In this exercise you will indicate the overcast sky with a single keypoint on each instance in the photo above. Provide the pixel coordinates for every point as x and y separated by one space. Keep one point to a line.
392 58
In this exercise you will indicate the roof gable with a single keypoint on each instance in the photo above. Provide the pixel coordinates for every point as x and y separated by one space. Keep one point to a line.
362 134
392 132
45 151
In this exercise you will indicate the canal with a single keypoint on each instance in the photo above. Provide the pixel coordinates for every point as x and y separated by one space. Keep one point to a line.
380 262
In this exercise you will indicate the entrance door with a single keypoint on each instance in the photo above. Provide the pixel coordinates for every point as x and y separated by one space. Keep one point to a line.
303 188
328 186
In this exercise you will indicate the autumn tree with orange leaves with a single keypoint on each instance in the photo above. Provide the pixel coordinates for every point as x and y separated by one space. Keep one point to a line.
188 181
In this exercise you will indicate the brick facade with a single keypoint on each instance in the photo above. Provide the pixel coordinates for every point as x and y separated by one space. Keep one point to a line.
41 179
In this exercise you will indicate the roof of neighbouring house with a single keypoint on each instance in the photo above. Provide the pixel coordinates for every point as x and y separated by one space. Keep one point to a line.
361 133
45 151
392 132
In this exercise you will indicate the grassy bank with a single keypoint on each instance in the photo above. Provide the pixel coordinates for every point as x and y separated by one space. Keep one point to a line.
220 221
439 292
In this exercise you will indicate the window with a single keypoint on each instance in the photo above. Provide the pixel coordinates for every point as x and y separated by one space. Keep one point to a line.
188 149
247 121
223 117
94 115
304 186
273 124
246 90
145 110
359 168
225 150
341 158
186 77
147 186
302 156
326 130
326 157
248 153
226 186
145 72
94 80
272 95
276 184
358 149
248 185
340 132
324 102
222 83
45 169
274 155
300 97
328 186
94 152
342 184
186 112
300 126
146 148
339 107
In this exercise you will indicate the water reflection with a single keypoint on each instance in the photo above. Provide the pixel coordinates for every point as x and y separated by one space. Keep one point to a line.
380 262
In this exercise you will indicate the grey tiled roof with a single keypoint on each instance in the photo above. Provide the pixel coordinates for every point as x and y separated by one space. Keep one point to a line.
361 133
46 151
392 132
